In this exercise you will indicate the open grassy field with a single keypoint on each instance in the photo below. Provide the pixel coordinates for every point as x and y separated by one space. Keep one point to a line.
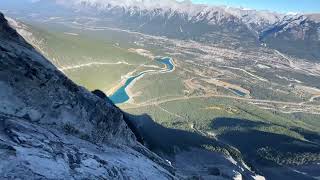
102 77
89 60
158 85
203 111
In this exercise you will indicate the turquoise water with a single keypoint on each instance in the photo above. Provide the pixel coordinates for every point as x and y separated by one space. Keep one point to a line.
167 61
237 92
121 96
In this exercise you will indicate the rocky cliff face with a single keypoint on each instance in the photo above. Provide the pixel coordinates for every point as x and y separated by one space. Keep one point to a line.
50 128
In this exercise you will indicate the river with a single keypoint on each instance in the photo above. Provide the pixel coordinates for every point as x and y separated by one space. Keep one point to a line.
121 96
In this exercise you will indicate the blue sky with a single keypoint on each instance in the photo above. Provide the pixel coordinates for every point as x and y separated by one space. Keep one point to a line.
307 6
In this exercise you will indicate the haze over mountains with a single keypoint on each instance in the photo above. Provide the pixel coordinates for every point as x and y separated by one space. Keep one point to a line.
295 34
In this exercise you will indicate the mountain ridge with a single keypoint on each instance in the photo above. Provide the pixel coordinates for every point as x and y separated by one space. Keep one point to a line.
50 128
193 21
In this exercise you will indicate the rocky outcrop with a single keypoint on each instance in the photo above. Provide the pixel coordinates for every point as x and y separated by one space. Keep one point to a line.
50 128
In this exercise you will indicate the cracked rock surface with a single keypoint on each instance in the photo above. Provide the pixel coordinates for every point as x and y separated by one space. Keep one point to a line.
50 128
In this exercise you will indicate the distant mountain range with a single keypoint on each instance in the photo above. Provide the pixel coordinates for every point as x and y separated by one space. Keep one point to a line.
295 34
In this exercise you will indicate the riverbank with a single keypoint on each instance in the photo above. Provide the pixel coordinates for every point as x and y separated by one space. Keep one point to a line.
123 93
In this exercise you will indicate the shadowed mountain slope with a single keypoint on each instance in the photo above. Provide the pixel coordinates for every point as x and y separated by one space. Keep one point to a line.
50 128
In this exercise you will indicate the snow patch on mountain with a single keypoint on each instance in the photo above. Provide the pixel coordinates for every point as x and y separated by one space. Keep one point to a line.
184 7
256 21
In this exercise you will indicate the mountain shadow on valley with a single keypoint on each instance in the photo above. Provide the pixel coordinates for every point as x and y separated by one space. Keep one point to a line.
161 139
273 153
241 132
